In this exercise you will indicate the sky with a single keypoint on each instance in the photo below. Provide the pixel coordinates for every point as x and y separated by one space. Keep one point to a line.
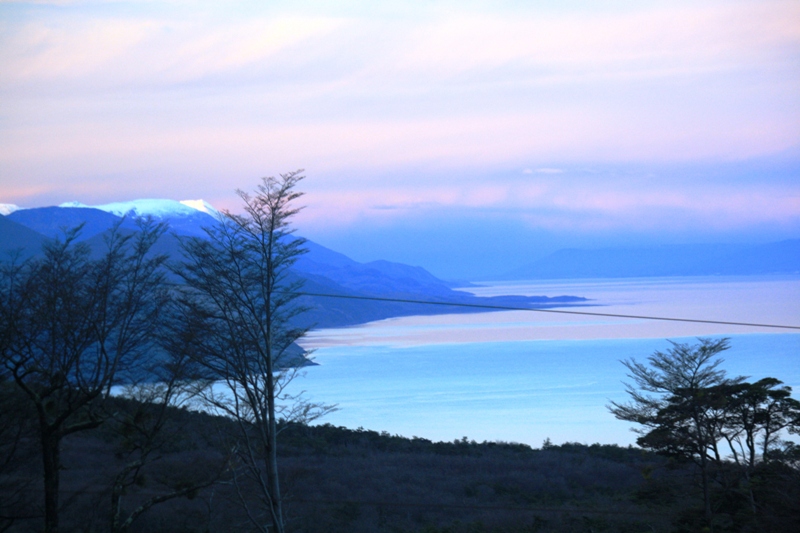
466 137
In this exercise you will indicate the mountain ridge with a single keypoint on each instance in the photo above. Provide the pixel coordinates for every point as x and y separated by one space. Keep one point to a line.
364 290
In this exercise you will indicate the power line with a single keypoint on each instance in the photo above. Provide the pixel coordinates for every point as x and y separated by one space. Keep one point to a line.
557 311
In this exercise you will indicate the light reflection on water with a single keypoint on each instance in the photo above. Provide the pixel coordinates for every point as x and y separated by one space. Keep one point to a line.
523 376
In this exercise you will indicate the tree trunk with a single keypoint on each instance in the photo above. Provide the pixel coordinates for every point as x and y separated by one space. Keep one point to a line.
272 471
750 494
51 444
702 448
706 493
272 438
272 425
116 496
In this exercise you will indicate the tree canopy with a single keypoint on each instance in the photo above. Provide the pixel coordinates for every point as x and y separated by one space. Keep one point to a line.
687 408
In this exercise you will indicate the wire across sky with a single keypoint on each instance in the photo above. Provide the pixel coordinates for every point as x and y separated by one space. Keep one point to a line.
540 310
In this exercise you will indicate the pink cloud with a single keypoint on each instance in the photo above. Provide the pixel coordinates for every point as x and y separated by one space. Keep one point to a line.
100 103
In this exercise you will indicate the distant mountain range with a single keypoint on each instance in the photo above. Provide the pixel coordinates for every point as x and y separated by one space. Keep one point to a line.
323 270
328 272
667 260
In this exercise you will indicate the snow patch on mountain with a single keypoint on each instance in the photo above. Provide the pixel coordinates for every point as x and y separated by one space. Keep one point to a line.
7 209
154 207
144 207
201 205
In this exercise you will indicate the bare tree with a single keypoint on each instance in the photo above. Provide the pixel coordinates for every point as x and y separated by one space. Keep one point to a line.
73 326
240 295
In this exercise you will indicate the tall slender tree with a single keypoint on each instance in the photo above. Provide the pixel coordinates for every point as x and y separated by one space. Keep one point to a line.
239 297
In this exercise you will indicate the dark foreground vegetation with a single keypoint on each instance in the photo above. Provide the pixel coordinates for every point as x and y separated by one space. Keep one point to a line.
336 479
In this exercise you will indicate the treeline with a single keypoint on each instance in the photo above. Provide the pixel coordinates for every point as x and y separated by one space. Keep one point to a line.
493 486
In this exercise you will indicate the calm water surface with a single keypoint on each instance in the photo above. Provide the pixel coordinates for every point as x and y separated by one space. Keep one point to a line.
526 376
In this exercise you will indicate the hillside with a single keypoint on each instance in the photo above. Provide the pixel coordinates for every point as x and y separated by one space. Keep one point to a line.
324 271
359 481
338 480
17 238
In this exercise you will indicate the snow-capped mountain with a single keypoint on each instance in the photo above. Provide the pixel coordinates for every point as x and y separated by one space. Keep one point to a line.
7 209
187 217
157 208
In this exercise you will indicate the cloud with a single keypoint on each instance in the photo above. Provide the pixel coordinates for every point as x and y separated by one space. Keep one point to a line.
567 202
642 42
549 171
111 52
364 52
398 111
447 88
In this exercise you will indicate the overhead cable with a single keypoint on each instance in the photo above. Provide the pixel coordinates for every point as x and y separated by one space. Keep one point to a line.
539 310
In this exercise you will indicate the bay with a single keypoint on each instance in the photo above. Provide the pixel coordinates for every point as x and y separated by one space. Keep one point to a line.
526 376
